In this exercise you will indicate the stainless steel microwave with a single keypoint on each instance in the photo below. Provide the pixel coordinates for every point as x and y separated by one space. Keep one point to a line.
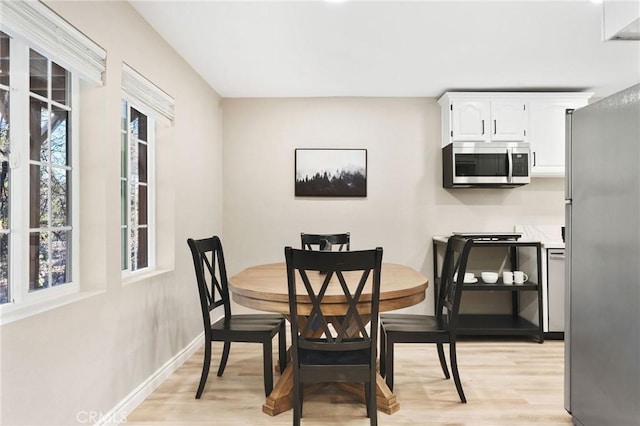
486 164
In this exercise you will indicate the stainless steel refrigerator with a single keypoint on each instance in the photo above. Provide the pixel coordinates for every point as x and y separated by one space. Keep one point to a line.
602 339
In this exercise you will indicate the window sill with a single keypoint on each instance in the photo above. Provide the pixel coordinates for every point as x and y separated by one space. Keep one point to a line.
144 276
14 312
11 312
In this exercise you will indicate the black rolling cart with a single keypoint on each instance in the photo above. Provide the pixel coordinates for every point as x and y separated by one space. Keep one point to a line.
490 324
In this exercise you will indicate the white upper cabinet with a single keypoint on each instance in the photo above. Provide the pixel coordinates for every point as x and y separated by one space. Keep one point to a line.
470 121
481 117
547 116
534 117
508 120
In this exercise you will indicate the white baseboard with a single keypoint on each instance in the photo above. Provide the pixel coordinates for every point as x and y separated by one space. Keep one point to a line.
119 413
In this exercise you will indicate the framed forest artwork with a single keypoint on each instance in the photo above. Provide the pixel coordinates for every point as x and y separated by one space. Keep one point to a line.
331 172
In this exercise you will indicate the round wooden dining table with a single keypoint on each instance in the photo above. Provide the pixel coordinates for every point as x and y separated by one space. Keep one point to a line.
264 287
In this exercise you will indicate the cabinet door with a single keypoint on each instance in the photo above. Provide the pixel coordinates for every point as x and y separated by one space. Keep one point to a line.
470 120
508 120
546 136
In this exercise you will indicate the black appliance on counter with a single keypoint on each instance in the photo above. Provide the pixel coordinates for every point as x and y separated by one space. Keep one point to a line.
497 236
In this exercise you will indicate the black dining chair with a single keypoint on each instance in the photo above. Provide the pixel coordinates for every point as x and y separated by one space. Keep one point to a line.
439 328
326 347
325 242
211 275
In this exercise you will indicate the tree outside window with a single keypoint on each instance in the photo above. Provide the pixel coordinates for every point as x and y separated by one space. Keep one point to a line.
49 174
35 205
135 188
5 172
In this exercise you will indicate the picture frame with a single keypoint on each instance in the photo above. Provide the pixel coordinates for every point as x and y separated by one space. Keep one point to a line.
330 172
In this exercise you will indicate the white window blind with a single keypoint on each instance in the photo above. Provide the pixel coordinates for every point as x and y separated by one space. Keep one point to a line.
61 41
142 92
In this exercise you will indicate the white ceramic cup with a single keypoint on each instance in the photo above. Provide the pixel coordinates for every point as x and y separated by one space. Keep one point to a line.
520 277
507 277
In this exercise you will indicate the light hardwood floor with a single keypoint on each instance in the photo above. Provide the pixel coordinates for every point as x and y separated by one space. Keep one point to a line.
506 382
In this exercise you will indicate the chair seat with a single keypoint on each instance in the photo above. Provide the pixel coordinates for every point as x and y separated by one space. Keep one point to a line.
413 324
249 323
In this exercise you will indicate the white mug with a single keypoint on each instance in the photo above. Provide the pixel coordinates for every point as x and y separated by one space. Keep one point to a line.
520 277
507 277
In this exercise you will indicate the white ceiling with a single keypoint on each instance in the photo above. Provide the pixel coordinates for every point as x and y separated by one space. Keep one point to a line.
394 48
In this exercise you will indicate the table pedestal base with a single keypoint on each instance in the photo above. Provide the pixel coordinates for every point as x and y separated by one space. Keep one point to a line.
281 398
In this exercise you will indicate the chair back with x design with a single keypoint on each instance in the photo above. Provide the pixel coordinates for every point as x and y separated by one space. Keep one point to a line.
213 290
335 327
453 270
326 242
211 275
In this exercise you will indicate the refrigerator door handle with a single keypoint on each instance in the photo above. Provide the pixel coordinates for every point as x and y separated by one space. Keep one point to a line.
567 156
567 308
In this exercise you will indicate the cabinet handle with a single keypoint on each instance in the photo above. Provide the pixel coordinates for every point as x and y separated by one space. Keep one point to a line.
495 127
534 158
483 127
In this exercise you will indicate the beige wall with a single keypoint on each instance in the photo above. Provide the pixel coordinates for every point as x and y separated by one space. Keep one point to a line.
88 355
405 204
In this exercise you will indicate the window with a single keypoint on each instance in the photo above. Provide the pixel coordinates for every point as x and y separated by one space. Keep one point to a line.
50 177
136 189
37 174
42 58
5 177
144 106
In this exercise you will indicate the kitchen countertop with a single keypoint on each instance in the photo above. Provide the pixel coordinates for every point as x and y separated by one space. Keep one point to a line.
553 245
549 235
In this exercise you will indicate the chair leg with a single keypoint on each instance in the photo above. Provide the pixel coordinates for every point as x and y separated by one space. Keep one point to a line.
205 368
297 404
373 404
389 363
382 352
367 398
282 347
301 398
454 370
225 356
443 361
267 367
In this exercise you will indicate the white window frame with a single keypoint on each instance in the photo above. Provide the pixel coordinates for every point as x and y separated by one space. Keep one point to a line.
146 97
20 295
143 93
55 38
31 24
128 273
